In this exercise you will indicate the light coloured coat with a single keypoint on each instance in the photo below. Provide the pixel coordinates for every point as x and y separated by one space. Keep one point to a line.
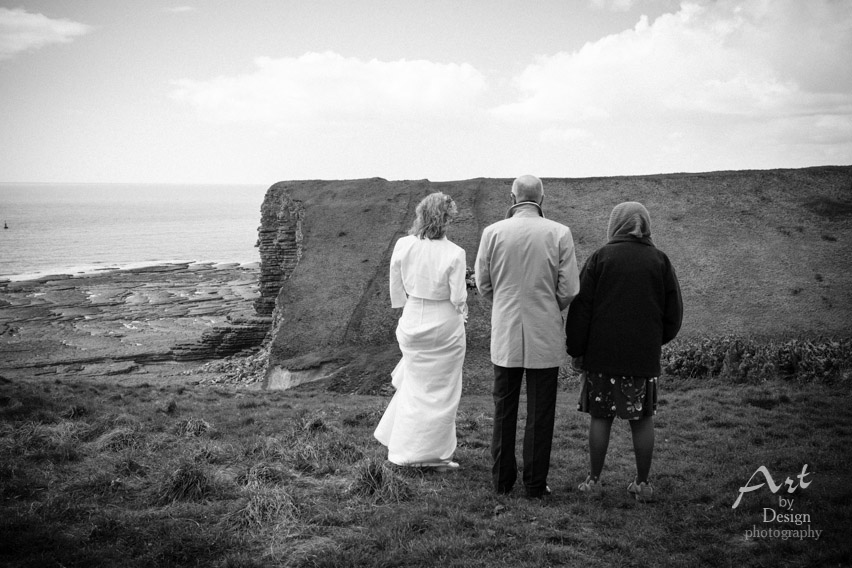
527 268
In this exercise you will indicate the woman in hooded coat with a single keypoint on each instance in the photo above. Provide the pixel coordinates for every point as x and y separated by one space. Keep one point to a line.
628 307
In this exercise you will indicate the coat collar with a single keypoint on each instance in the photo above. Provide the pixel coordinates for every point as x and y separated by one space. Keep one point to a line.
631 239
525 209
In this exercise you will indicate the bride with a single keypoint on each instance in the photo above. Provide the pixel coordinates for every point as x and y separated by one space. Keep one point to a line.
427 280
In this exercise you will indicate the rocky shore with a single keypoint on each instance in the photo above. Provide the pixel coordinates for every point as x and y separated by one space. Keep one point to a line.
164 322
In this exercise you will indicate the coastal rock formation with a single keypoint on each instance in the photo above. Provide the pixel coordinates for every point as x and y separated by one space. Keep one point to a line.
762 252
331 307
279 242
239 333
116 321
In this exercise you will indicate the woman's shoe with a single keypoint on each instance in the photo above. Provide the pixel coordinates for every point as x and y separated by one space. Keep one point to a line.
642 492
446 466
441 466
591 487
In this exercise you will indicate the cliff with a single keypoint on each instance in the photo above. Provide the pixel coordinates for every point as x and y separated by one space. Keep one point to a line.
757 252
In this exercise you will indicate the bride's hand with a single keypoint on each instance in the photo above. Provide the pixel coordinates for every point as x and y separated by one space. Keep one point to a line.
462 309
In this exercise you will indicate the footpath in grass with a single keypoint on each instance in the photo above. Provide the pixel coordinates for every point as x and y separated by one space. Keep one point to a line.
93 474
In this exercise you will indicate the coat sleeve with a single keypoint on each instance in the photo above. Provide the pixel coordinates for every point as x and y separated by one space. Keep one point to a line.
568 283
483 267
397 289
579 318
458 285
673 314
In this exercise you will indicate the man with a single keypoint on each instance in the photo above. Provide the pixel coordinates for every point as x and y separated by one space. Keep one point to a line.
527 268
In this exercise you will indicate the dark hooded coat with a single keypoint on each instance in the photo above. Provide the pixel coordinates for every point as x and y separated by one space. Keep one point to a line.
629 303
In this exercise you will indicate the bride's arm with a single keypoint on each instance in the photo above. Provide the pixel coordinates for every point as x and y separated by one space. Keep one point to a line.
458 284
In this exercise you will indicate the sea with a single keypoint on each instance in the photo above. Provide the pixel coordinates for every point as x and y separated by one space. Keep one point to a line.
84 228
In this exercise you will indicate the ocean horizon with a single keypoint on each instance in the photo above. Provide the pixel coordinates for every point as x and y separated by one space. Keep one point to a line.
78 228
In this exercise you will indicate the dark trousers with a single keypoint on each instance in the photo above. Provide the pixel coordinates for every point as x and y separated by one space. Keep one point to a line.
538 433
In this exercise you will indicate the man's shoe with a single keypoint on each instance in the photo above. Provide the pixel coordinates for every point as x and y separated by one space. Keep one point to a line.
642 492
540 494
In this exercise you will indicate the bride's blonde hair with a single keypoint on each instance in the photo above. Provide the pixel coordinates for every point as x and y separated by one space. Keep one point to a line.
432 216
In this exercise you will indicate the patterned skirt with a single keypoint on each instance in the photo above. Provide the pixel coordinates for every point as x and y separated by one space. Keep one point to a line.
608 396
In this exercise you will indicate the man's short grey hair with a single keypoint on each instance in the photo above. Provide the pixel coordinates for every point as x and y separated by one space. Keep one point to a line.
528 188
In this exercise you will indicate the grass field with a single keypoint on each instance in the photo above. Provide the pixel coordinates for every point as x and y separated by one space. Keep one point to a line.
95 474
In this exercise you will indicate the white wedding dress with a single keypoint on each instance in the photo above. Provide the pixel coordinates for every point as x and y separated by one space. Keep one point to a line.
419 425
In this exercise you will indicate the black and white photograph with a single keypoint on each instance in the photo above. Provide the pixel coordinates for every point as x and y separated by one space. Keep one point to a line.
450 283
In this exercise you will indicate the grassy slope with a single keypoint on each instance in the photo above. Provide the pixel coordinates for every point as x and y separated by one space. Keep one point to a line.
757 252
100 475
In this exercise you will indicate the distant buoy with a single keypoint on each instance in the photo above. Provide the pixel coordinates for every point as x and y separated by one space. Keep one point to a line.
5 226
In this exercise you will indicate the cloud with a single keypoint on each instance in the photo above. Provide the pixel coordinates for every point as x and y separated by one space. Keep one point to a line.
711 61
22 31
555 134
180 9
330 88
613 5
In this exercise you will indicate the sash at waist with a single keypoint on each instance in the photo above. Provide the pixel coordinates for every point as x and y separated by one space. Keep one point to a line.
428 300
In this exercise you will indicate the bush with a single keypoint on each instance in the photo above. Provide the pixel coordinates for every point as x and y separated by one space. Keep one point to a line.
744 359
54 442
192 427
263 473
188 482
378 481
119 439
264 506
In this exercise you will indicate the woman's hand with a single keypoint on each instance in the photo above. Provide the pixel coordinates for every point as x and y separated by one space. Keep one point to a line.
462 309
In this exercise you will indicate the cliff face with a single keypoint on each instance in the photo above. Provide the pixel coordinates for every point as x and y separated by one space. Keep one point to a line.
279 241
758 252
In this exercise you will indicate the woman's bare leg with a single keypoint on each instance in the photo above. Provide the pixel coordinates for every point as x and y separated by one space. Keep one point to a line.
599 430
643 446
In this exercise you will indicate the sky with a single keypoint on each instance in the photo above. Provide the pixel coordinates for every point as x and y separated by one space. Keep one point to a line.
259 91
